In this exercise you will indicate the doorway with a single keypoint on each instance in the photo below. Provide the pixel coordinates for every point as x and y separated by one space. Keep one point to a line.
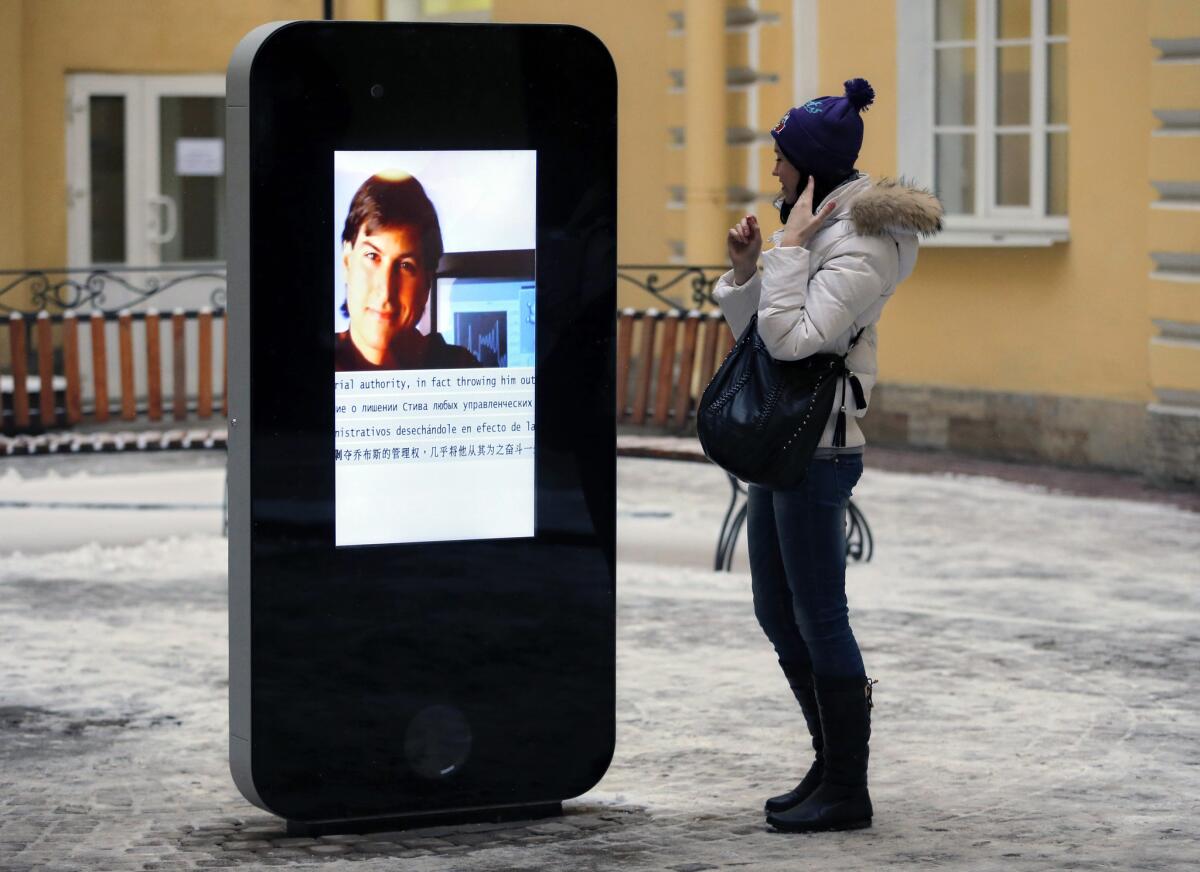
145 170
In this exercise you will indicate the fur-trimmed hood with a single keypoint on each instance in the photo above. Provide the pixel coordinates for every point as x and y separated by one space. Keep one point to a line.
882 208
894 206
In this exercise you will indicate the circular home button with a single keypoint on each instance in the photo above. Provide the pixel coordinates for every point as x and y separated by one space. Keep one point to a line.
438 741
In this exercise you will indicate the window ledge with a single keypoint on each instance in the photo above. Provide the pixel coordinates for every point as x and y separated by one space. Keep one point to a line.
995 237
1165 275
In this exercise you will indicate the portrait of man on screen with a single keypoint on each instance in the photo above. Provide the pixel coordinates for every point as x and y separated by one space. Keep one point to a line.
391 246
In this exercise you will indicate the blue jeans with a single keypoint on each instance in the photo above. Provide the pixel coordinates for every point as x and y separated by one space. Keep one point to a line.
797 542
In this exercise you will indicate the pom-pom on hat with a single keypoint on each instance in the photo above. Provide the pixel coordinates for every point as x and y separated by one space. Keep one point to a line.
825 135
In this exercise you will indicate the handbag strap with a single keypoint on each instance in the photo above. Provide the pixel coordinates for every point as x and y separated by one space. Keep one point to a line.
854 342
839 429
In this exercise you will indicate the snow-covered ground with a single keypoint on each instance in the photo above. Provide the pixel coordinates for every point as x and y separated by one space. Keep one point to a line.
1038 658
53 503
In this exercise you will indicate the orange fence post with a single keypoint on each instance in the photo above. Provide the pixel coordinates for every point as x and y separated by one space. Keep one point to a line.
624 343
154 405
20 369
99 367
45 353
725 344
666 368
125 348
204 360
225 365
179 362
645 365
708 353
687 369
71 365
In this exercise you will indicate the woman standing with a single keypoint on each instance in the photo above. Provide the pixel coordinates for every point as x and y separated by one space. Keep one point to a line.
845 244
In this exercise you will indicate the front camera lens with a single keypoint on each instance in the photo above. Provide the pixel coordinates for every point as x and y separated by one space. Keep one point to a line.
377 91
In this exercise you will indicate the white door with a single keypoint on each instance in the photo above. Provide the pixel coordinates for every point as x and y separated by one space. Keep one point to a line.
145 169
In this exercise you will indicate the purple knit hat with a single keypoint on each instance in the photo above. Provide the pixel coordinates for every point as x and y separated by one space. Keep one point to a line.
824 135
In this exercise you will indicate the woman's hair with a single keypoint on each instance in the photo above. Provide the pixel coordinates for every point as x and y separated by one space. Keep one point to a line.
396 199
823 187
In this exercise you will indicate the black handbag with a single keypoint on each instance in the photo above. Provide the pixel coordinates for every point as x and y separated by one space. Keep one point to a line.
760 419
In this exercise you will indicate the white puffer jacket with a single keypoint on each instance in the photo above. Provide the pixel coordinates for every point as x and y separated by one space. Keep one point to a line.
816 298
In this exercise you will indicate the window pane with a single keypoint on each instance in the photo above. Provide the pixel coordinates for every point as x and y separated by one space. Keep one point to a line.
106 157
955 85
1012 19
955 173
191 175
1056 99
1056 174
1012 85
1058 17
1012 169
434 8
956 19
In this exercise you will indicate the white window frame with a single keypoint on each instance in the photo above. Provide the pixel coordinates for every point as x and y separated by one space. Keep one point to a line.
991 225
805 51
410 10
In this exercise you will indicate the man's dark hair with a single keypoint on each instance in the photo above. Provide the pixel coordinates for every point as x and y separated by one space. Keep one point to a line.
395 200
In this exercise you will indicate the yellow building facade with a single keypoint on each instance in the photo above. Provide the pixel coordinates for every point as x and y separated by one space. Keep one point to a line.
1056 319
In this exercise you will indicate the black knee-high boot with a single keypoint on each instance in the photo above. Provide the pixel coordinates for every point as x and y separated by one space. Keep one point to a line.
799 677
842 801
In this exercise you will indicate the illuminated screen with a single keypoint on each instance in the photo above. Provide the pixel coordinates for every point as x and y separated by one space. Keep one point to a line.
434 321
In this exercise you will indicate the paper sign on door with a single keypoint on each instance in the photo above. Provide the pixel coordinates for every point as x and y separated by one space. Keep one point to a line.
199 157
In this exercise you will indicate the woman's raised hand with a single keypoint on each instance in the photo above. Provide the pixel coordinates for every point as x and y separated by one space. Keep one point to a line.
802 225
745 244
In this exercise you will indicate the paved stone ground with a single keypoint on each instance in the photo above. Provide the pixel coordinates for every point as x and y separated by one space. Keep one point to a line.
1037 706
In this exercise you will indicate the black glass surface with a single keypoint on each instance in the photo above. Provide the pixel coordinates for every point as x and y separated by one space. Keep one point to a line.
409 678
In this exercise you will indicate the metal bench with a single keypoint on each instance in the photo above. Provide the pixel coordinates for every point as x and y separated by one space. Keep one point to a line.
665 359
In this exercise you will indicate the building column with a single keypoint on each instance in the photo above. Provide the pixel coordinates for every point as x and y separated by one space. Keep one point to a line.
705 152
12 193
1173 236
